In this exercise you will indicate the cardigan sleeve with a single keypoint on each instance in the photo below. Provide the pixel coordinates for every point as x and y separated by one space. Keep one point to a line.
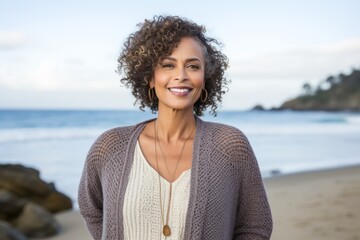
90 196
253 217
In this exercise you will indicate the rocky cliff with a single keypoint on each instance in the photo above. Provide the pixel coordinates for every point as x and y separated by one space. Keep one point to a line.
335 93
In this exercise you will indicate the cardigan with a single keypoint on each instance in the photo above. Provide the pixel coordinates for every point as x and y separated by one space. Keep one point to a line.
227 196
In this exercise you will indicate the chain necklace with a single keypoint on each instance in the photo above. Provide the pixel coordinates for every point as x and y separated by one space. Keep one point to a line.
166 228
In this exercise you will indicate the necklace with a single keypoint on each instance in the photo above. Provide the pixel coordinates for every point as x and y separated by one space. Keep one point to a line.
166 227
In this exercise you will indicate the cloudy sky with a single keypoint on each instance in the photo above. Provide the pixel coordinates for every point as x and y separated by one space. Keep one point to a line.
62 54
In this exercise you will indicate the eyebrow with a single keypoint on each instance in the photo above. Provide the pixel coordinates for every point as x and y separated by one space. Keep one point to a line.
187 60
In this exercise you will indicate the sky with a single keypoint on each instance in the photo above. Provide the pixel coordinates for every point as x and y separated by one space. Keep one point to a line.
63 54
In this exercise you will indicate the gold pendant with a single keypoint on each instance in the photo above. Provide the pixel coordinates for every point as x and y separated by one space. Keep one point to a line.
166 230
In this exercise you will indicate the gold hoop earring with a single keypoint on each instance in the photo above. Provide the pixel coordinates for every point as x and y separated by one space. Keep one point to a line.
151 93
203 99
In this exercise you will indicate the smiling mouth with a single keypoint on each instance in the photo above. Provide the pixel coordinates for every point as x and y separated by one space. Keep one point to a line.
182 90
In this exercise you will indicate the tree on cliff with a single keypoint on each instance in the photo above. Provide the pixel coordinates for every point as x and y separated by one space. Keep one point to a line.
341 92
307 89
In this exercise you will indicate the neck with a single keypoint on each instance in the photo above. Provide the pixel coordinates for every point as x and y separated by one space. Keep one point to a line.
175 125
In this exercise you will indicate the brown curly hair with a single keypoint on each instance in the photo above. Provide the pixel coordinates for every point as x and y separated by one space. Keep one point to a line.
155 40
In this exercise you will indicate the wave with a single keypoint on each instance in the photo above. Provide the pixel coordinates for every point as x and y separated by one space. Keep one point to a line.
353 119
333 120
333 126
46 134
300 129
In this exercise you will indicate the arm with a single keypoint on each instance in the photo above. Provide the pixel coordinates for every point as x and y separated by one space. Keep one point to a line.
253 218
90 193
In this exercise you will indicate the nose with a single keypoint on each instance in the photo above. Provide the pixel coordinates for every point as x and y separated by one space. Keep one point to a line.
181 74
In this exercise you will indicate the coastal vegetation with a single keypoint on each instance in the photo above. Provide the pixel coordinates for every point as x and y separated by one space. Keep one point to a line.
335 93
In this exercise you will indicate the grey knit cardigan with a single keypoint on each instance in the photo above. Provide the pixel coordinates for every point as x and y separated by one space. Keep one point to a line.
227 196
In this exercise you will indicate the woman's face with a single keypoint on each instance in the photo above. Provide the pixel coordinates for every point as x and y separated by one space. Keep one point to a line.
179 78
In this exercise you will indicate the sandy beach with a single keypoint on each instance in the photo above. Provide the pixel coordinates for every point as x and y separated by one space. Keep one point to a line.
311 205
316 205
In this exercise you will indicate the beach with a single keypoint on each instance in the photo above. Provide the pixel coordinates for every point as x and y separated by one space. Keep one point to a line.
313 205
316 205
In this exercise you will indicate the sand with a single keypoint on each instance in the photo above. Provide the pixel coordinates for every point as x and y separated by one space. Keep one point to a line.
308 206
316 205
73 227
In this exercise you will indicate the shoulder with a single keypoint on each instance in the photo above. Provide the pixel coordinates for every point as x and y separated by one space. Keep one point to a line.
224 132
227 139
113 141
114 136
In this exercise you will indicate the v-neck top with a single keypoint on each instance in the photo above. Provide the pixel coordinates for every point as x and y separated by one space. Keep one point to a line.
141 210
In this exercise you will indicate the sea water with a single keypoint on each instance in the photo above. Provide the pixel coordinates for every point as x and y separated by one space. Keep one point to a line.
56 142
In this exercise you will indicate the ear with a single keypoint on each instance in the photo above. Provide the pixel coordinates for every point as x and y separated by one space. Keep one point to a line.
152 82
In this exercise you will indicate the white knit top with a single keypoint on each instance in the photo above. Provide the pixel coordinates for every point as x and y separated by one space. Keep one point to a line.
141 210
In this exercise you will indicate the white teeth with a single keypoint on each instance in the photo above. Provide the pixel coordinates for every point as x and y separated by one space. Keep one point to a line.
180 90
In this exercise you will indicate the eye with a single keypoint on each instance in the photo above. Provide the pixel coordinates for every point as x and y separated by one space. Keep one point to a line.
194 67
168 65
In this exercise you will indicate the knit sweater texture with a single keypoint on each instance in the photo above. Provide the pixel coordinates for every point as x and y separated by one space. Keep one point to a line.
227 196
143 216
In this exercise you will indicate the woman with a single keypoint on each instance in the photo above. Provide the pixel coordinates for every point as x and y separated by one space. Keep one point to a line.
176 176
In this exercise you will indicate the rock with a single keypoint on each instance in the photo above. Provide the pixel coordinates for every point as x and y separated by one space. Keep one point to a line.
275 172
25 202
10 205
25 183
7 232
258 108
56 202
36 222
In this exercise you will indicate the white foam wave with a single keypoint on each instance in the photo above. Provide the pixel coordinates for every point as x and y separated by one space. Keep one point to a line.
353 119
311 129
45 134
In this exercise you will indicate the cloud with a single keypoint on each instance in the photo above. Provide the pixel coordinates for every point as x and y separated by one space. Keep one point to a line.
312 62
54 75
110 99
12 40
45 75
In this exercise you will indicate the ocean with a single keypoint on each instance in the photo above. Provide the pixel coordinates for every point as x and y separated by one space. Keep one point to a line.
56 141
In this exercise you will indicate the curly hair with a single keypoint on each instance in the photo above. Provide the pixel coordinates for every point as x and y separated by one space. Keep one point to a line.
155 40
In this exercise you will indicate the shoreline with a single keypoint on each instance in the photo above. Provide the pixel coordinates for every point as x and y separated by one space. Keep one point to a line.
317 204
276 173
